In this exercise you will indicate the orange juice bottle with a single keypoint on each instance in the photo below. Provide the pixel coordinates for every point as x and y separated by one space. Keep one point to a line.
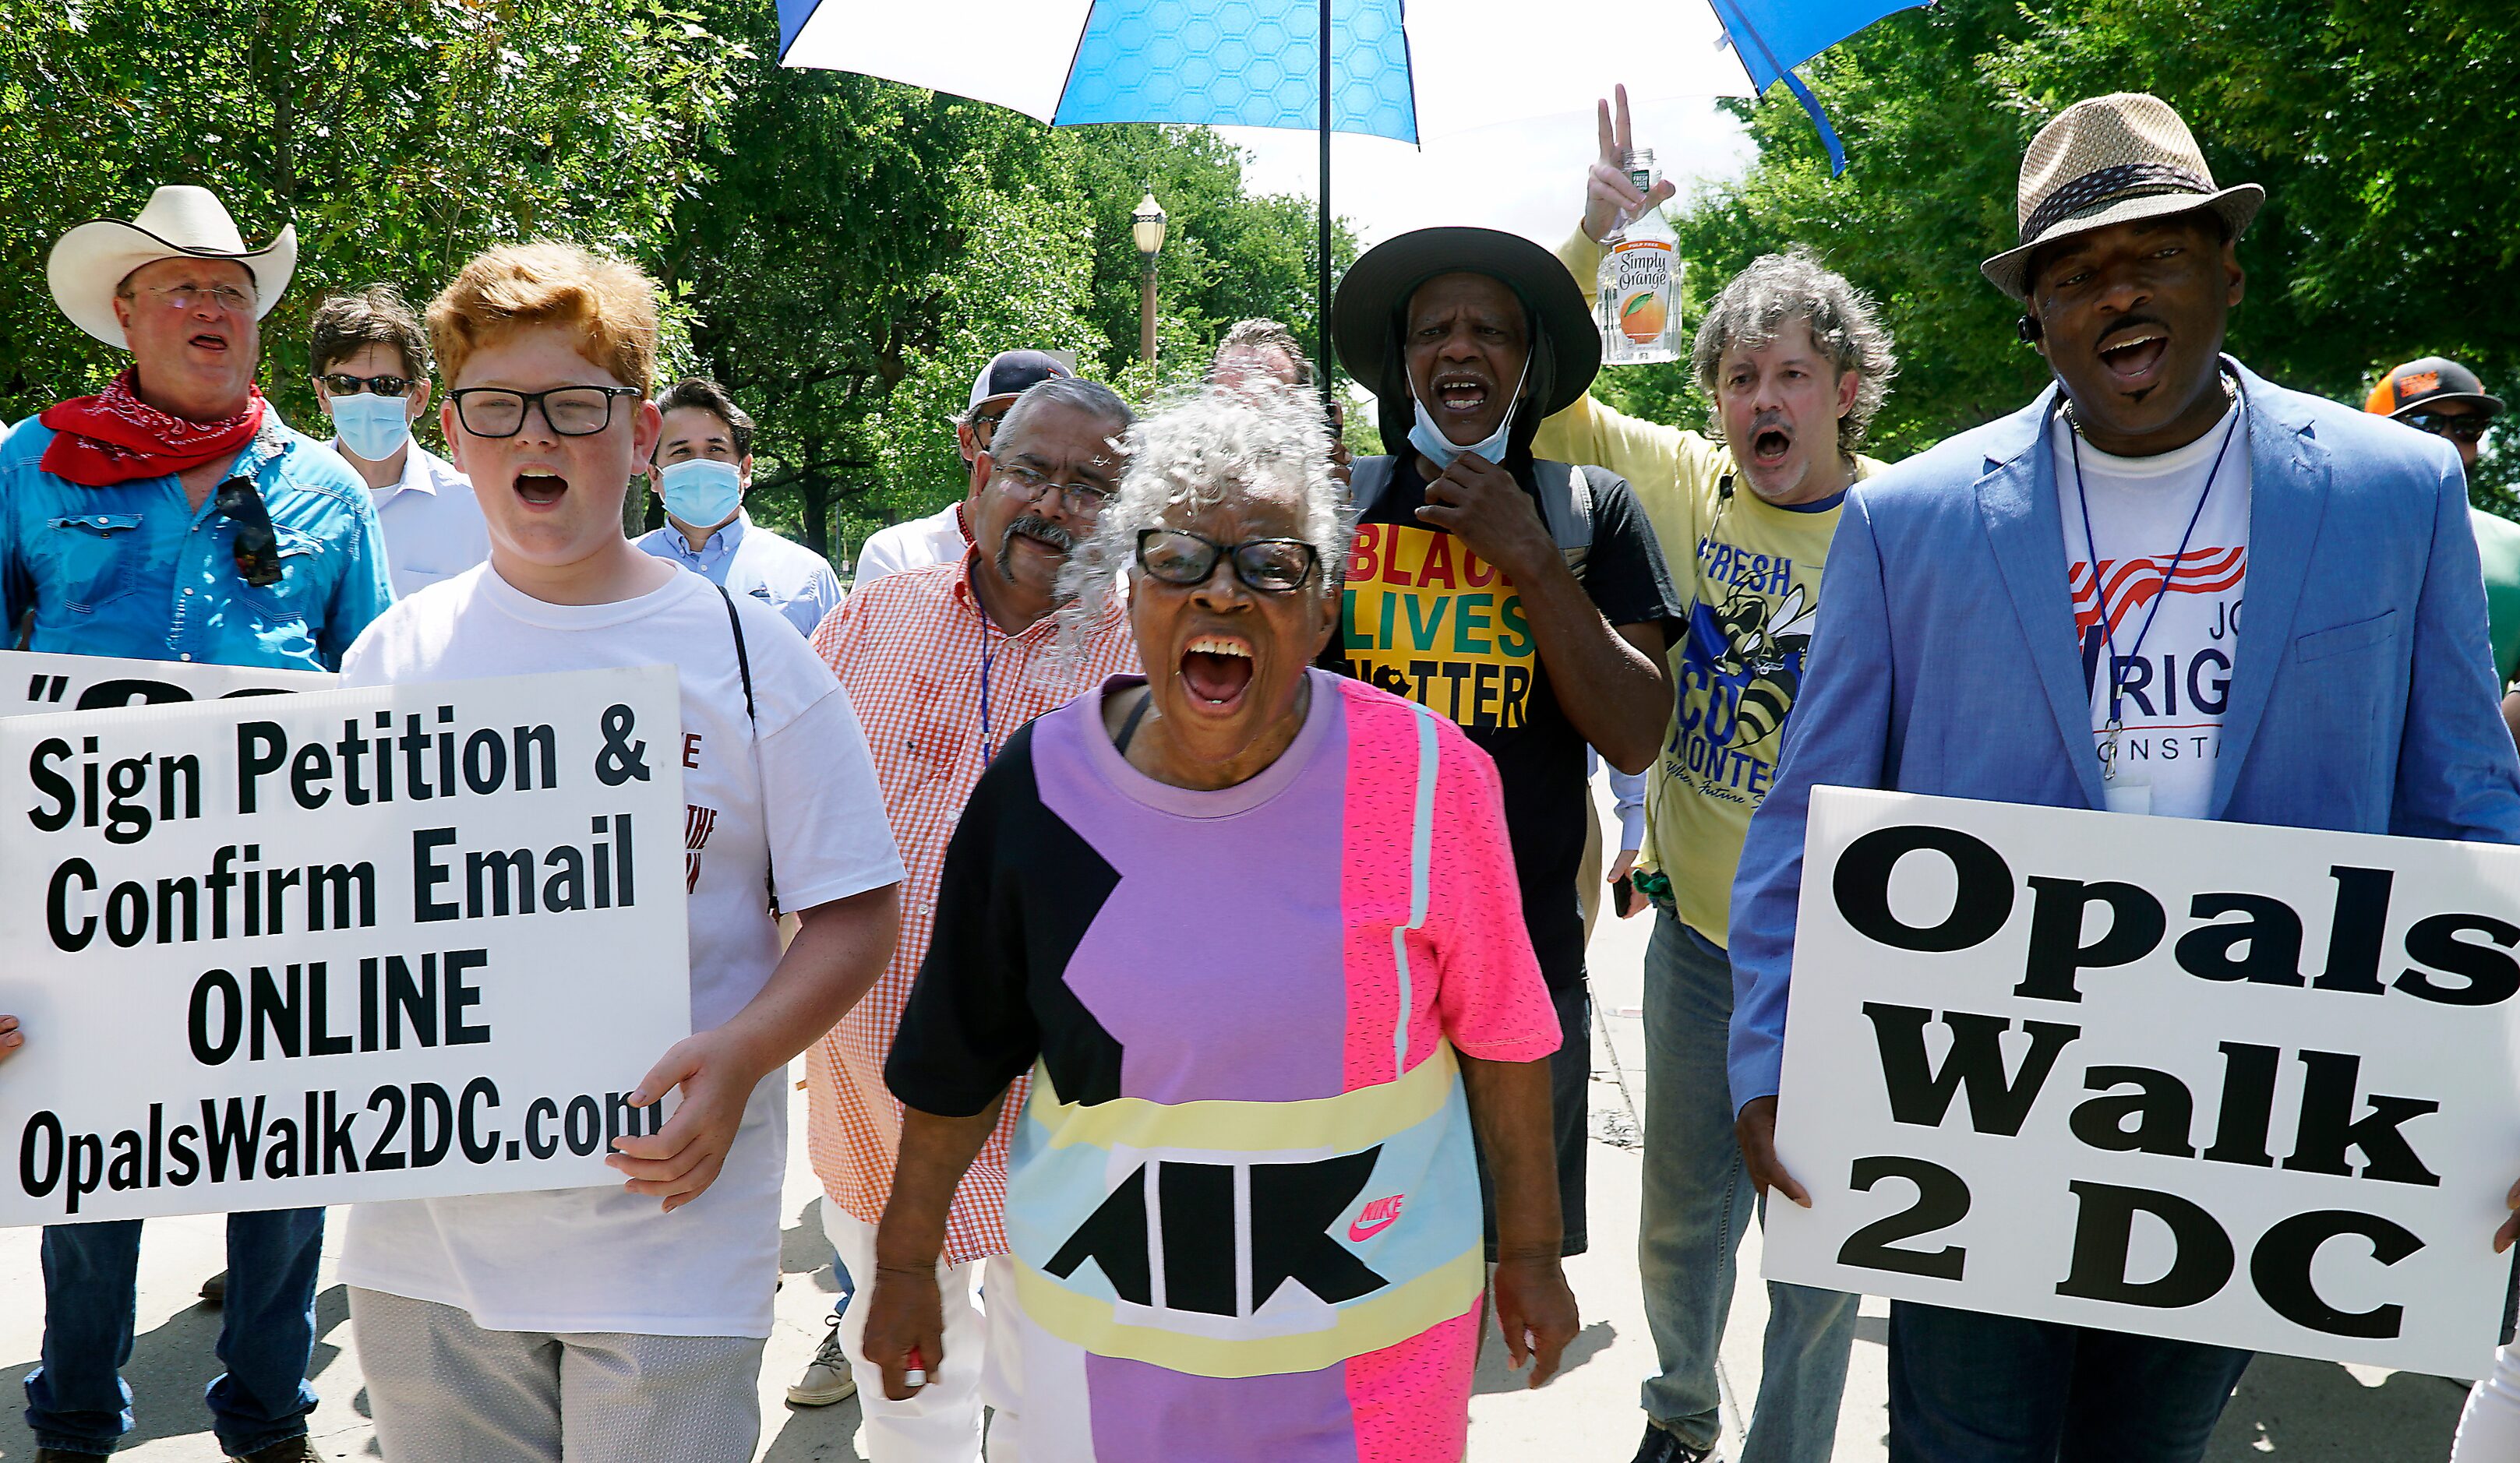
1638 287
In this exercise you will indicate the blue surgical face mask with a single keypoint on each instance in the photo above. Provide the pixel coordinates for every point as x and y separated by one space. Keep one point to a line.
373 428
1440 450
702 492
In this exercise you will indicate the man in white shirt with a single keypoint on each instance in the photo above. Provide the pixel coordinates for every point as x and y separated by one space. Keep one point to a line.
704 467
946 534
628 1321
371 372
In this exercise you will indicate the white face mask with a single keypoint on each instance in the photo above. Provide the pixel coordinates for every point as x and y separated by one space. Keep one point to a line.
1440 450
373 428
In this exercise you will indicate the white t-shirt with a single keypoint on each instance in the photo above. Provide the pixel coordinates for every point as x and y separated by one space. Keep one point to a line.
914 545
2173 677
604 1259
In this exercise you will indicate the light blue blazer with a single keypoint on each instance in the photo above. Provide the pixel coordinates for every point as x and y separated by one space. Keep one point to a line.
1946 658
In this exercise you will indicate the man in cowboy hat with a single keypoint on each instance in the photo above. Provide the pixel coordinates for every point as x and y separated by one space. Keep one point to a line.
175 516
1525 599
2355 693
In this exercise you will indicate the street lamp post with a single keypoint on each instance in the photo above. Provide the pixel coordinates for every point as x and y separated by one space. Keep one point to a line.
1146 227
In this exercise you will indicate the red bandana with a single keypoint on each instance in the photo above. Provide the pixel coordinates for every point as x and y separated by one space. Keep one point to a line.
116 437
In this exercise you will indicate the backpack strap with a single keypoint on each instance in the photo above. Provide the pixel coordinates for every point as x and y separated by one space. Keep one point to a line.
744 669
1566 508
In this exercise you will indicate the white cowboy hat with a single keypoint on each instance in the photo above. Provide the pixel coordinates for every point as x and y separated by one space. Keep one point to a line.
2107 161
180 222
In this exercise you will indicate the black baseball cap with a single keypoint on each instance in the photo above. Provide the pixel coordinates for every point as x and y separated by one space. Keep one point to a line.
2434 380
1011 373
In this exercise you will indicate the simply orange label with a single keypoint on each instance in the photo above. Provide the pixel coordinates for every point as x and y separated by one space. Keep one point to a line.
1427 619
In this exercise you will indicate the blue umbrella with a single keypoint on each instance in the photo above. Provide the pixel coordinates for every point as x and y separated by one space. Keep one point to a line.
1391 71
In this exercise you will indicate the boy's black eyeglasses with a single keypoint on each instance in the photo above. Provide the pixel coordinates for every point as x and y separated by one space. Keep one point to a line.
572 411
342 383
2465 428
1273 566
254 546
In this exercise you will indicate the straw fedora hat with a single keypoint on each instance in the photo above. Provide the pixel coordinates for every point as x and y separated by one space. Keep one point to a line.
2109 160
180 223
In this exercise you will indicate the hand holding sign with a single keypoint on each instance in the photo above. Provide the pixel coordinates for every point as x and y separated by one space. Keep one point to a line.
2243 1085
1756 1131
680 1160
11 1039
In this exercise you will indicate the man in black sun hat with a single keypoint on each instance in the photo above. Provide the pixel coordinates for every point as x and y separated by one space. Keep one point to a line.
1525 600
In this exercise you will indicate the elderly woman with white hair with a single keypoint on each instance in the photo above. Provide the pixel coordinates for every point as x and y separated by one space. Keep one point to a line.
1253 929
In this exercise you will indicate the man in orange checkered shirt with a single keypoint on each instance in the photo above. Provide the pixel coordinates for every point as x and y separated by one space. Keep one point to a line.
943 664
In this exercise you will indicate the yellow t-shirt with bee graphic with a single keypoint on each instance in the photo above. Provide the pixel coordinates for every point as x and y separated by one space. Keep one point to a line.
1749 575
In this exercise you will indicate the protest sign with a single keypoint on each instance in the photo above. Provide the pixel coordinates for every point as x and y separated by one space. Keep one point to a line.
2215 1081
345 945
32 682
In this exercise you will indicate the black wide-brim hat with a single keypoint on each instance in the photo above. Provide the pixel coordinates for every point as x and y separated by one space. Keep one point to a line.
1366 317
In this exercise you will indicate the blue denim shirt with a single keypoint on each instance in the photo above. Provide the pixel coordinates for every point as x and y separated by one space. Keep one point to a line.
134 570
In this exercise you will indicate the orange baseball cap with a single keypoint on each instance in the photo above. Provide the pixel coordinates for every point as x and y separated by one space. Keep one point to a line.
2430 381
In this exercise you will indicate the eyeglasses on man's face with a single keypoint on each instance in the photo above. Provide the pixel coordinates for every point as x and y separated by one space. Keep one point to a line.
188 295
1031 484
572 411
342 383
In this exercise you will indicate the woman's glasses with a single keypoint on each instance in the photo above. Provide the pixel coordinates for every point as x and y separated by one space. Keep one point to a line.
1271 566
572 411
342 383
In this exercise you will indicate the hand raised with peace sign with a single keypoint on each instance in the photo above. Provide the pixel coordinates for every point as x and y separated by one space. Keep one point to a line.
1608 197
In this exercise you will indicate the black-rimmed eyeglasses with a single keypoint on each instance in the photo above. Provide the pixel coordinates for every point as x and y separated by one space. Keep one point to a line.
572 411
1271 566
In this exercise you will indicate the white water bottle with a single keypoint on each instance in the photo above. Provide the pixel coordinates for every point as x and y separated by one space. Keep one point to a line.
1638 287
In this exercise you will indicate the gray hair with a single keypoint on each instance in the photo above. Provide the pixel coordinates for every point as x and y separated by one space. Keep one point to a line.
1196 451
1253 337
1794 286
1095 400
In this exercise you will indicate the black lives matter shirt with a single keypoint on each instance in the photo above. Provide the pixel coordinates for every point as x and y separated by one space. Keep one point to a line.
1425 618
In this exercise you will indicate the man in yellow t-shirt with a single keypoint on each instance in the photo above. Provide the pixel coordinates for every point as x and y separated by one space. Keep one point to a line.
1796 363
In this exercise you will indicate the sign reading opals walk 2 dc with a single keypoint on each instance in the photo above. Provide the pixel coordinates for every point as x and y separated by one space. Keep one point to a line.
342 945
2221 1083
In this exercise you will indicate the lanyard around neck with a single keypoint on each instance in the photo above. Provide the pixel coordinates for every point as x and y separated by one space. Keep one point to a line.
2091 548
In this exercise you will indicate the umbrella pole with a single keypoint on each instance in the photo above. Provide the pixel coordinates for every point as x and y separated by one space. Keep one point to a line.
1322 316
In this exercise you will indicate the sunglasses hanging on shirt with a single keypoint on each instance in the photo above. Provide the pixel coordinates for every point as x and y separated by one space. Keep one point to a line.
254 546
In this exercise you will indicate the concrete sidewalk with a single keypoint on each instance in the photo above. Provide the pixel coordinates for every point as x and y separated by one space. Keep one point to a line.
2287 1410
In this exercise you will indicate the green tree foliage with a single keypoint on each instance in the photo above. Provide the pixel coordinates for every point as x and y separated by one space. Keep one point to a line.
2388 142
400 136
843 252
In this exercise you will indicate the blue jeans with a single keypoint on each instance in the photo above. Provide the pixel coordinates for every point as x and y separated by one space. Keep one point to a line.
1697 1202
1970 1388
848 1284
77 1399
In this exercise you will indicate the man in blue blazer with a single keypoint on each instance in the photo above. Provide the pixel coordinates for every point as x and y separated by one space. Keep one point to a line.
2048 610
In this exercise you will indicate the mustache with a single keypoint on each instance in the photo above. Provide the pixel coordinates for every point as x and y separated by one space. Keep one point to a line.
1031 526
